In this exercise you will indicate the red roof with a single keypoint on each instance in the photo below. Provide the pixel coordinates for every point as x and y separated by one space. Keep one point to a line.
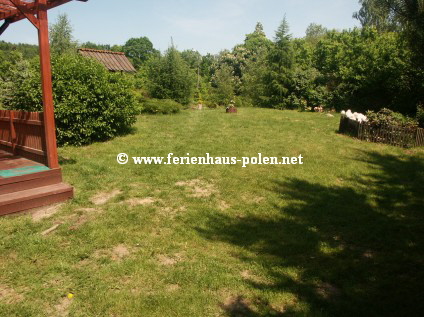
113 61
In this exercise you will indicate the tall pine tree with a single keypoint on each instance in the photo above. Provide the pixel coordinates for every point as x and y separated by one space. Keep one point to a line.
280 63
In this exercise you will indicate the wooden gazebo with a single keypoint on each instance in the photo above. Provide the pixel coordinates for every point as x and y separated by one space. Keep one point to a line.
30 175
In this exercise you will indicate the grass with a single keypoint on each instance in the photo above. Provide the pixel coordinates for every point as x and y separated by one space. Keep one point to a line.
340 235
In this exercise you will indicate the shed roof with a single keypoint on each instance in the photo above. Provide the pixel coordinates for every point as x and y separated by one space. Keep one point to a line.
114 61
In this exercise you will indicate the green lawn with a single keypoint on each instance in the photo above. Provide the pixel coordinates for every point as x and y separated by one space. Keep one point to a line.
340 235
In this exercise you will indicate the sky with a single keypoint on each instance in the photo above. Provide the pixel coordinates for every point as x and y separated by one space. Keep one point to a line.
207 26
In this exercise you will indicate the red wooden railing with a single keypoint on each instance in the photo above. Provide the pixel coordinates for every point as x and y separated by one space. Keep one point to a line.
22 133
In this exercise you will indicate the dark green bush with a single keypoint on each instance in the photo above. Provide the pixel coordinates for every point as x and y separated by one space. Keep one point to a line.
91 104
161 106
420 115
388 118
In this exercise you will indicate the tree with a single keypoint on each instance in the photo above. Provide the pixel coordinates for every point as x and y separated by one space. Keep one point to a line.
406 16
375 13
192 58
280 63
169 77
256 42
139 50
314 33
223 85
61 39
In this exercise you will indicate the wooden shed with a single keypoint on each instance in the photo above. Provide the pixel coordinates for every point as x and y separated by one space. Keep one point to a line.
30 175
113 61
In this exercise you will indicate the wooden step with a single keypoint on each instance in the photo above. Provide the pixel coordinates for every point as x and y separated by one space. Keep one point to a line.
29 181
35 197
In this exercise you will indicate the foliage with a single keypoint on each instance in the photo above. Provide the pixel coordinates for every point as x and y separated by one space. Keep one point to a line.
223 85
280 66
388 118
169 77
420 115
314 33
103 47
192 58
404 15
28 51
364 70
12 67
61 39
139 50
161 106
91 104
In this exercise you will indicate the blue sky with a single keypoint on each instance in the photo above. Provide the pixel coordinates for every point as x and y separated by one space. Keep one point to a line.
204 25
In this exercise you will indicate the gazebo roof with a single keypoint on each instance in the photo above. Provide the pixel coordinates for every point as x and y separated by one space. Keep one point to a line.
15 10
113 61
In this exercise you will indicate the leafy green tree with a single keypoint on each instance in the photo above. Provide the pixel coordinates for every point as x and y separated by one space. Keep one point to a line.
256 42
364 70
139 50
377 13
28 50
223 85
192 58
61 39
314 33
169 77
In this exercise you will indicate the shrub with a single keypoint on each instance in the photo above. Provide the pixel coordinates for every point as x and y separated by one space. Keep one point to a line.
91 104
161 106
420 115
240 101
386 118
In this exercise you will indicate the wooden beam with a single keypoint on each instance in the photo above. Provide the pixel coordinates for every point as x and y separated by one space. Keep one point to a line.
26 12
4 26
46 84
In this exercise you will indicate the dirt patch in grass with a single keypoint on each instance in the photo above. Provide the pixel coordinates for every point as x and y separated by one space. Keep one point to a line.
172 287
198 188
222 205
170 211
252 199
62 308
9 295
117 253
103 197
169 260
140 201
237 306
41 213
327 291
82 216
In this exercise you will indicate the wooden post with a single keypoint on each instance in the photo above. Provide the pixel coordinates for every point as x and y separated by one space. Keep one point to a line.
46 84
12 131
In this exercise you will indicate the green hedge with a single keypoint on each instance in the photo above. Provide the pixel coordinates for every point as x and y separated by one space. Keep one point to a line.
91 104
161 106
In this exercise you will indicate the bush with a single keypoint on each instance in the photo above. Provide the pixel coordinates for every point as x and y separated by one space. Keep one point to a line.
91 104
388 118
161 106
420 115
240 101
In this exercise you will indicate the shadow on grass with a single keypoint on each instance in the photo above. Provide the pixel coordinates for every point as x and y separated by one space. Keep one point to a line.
356 251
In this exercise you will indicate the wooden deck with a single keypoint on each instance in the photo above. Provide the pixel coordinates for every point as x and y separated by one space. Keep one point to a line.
9 161
26 184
